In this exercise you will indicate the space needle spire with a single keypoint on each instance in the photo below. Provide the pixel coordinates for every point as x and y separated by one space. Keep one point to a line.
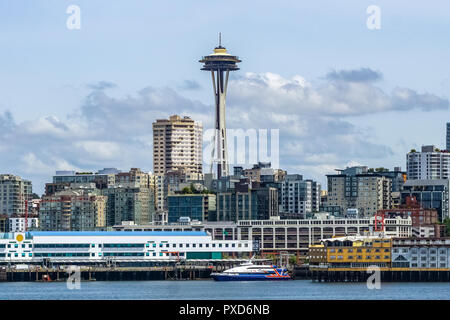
220 63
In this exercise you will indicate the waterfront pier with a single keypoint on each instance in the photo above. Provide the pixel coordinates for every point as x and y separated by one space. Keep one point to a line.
385 275
189 271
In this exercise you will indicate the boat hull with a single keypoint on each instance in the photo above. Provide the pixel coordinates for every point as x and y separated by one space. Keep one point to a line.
248 277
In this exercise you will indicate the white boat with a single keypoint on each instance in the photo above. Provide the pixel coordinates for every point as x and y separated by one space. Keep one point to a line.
249 271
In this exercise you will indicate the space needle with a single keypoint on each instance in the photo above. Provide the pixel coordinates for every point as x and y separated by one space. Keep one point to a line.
220 63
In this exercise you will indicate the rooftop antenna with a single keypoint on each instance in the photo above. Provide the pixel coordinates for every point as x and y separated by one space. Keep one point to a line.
220 39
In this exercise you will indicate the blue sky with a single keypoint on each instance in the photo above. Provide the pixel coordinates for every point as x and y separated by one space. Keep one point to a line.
55 115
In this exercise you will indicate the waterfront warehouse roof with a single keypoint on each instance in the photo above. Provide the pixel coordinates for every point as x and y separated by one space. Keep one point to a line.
118 233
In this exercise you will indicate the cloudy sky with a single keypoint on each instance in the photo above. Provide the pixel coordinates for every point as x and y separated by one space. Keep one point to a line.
340 93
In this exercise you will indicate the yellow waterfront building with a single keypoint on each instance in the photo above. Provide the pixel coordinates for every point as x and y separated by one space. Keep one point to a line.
353 252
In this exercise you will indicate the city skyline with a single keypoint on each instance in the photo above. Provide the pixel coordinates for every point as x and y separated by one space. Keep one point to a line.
341 102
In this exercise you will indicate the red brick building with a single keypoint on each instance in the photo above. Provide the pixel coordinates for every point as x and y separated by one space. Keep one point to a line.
419 216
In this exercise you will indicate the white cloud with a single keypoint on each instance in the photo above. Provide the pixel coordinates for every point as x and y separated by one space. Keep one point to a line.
344 93
31 164
99 150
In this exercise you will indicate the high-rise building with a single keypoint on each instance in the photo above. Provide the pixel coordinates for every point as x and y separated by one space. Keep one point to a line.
299 197
356 188
247 201
128 202
448 136
397 175
431 163
431 194
14 192
220 63
72 210
177 145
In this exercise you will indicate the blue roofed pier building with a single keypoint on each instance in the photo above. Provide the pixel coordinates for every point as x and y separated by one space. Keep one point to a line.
101 247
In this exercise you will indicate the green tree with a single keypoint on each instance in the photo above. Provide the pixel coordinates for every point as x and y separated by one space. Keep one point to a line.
292 260
193 189
186 190
447 226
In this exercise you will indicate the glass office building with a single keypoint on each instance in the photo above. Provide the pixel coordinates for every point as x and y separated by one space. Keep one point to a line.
430 194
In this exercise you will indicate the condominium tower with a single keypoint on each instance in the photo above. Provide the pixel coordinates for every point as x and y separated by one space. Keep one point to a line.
13 192
73 210
431 163
298 196
177 145
356 188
